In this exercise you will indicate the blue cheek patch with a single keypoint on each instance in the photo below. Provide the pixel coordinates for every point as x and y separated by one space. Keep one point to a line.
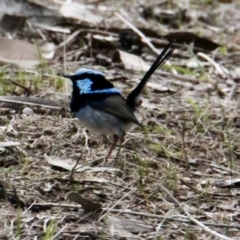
84 85
85 88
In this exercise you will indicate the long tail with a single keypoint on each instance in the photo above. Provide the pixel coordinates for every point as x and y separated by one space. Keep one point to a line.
159 62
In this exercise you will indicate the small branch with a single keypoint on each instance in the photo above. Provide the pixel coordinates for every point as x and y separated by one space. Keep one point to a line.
75 167
192 219
185 153
27 91
31 101
215 64
129 212
143 37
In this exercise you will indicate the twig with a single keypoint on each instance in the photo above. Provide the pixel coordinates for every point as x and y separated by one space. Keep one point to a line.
116 203
86 141
27 91
210 60
185 153
31 101
129 212
138 32
143 37
59 232
192 219
214 165
184 78
75 166
9 144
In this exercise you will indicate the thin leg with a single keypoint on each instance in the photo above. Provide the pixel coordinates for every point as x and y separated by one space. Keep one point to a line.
120 147
115 139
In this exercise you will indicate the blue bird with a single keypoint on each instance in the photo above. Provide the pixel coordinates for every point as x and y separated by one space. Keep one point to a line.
101 108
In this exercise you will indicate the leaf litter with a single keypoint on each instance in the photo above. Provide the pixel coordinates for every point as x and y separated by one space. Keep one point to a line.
178 178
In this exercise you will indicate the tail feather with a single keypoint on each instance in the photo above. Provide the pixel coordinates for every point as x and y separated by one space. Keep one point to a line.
159 62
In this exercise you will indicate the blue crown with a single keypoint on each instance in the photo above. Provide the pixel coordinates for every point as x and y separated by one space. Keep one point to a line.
92 82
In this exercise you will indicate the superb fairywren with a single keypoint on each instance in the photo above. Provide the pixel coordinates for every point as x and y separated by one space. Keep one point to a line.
101 108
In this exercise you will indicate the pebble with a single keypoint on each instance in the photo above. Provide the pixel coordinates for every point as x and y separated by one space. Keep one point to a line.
28 111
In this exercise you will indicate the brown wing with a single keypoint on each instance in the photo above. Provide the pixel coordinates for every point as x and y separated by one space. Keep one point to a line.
115 105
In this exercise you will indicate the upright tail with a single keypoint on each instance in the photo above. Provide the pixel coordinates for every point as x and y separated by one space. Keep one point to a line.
159 62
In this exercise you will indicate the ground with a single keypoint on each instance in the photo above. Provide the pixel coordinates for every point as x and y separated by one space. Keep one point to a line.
177 178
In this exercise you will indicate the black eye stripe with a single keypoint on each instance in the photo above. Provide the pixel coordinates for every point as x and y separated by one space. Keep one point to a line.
85 87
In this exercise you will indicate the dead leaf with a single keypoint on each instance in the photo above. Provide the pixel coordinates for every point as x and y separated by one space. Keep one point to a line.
69 164
87 205
227 205
158 88
19 53
227 183
128 225
188 37
79 12
130 61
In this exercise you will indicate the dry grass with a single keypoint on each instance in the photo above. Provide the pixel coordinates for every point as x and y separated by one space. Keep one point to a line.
169 175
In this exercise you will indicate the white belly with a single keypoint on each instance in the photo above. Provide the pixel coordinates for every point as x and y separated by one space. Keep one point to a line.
101 122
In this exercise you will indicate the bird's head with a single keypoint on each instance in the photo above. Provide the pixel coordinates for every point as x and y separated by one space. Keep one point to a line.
88 81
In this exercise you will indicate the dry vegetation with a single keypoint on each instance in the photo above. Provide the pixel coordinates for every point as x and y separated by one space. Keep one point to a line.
178 179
